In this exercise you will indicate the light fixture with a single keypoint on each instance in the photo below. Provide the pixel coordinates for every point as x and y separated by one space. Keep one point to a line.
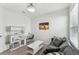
31 7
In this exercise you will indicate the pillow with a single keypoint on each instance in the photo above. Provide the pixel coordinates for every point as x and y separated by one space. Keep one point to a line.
64 39
57 42
64 44
52 47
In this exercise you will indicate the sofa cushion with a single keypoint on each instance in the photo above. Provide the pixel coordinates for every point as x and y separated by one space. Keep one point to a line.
68 51
64 44
52 47
57 42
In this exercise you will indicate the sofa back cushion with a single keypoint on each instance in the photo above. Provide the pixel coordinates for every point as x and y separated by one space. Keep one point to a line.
57 42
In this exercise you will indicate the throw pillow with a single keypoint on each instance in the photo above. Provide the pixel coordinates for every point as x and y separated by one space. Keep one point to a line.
57 42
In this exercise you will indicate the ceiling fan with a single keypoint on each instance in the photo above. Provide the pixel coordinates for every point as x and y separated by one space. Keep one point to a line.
31 8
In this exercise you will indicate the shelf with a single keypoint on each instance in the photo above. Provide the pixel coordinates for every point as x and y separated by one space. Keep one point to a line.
16 36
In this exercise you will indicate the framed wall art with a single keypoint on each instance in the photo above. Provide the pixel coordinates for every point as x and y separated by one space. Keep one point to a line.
44 26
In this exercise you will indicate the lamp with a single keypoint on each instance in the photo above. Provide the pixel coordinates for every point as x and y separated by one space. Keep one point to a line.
31 8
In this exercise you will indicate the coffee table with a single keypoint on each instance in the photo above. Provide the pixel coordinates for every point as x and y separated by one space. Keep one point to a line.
35 46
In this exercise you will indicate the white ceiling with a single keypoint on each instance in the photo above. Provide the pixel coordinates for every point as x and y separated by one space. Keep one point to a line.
41 8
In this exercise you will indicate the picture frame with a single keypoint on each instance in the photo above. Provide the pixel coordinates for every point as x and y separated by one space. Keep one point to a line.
44 26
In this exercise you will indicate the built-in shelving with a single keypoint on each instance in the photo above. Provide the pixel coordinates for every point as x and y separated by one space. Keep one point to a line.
15 37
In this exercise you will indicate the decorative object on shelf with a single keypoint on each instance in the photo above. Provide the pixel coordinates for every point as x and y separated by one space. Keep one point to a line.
44 26
15 37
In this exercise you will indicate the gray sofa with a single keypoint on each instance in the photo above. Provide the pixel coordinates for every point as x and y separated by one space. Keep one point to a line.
61 46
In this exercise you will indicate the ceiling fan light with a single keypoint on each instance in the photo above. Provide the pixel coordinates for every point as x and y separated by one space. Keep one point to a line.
31 9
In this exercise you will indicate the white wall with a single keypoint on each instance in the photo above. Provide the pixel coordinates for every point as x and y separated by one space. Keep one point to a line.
74 22
10 18
15 19
1 20
58 25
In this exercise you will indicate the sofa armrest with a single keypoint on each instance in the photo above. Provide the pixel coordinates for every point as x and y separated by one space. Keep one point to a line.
51 50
